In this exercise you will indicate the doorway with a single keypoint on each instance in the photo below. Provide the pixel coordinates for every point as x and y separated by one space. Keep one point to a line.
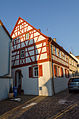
18 80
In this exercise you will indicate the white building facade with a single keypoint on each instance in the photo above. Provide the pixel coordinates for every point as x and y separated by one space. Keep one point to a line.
5 62
30 60
39 65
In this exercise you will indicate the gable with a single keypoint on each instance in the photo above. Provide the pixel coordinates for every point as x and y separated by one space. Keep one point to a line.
22 27
31 41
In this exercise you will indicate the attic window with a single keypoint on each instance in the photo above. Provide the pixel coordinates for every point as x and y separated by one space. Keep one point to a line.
27 36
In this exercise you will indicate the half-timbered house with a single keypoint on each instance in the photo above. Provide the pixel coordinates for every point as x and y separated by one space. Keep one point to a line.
39 65
31 59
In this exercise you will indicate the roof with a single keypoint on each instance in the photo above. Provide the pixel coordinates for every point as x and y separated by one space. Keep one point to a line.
5 29
74 57
77 57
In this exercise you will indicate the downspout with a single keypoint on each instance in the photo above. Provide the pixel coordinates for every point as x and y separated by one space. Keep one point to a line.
53 87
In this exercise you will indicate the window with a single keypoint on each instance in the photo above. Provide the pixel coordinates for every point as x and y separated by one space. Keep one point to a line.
66 73
14 41
55 70
27 36
59 53
35 71
52 48
66 59
55 51
64 56
61 72
22 54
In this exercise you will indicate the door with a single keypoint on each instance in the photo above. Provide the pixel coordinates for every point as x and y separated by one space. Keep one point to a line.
18 80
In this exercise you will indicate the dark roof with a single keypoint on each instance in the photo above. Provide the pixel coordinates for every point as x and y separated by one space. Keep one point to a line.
5 29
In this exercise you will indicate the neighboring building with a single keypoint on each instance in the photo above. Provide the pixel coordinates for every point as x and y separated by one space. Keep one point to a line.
39 65
77 64
5 67
73 65
64 66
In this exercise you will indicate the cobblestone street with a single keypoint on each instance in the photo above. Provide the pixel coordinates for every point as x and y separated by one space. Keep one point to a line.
62 105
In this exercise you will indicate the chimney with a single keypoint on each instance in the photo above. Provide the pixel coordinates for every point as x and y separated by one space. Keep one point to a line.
39 30
54 39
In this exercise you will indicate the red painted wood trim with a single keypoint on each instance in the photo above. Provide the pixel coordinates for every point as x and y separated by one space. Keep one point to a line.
53 61
40 70
29 25
61 59
31 63
30 45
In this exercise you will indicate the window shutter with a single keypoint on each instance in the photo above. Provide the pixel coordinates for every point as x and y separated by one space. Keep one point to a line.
54 70
57 71
40 70
30 72
61 72
66 73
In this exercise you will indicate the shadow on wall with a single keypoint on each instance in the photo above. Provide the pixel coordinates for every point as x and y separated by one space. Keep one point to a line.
60 84
47 88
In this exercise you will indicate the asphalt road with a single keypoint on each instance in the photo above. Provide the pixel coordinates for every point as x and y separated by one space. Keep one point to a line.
62 105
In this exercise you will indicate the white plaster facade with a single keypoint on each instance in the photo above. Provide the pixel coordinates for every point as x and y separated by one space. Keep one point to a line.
36 86
37 51
5 61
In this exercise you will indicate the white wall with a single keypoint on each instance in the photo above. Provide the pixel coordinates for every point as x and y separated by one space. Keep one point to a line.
42 85
60 84
32 85
29 85
4 88
45 82
4 51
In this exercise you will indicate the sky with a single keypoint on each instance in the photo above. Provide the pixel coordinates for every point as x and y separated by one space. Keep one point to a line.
56 18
